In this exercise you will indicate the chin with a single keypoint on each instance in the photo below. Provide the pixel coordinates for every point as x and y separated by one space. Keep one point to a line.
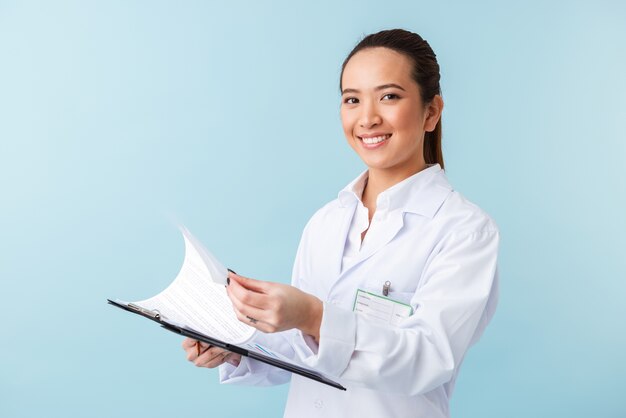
377 164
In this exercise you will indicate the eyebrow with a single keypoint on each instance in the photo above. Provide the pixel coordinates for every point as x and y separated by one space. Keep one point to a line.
382 87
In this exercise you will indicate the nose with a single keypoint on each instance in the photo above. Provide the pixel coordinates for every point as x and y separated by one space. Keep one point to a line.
369 116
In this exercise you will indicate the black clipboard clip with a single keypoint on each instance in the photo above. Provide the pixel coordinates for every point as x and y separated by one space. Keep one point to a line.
155 314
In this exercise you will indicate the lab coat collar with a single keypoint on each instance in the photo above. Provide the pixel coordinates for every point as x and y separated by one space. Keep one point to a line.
422 193
353 192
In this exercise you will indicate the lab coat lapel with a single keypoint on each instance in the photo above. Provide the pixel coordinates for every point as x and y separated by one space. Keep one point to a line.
385 235
336 242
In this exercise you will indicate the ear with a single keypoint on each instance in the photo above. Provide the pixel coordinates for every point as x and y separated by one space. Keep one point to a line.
433 113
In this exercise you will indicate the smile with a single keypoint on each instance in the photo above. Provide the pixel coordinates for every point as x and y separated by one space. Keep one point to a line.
374 140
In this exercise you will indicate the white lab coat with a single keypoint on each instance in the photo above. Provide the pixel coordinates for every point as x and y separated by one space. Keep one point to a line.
439 252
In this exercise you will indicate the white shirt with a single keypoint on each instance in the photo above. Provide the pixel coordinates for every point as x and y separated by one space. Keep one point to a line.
439 252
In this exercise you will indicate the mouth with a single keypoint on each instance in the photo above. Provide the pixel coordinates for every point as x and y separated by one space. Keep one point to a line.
374 141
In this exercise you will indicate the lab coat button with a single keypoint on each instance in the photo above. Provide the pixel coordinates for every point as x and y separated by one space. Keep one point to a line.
319 404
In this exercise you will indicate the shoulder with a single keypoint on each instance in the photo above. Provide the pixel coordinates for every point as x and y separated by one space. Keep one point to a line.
328 214
435 205
460 220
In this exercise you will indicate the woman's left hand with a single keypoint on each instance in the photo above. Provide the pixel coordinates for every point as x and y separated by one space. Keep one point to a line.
273 307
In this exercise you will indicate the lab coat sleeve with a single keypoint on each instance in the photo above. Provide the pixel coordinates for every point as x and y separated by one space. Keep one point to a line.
425 350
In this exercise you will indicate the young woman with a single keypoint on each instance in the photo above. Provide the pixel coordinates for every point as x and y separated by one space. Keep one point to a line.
398 229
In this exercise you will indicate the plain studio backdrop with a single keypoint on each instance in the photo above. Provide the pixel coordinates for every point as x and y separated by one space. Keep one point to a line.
120 119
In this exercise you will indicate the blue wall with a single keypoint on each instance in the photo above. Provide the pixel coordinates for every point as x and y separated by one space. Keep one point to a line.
120 118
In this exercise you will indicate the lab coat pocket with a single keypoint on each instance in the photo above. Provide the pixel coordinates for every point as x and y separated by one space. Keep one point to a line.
383 310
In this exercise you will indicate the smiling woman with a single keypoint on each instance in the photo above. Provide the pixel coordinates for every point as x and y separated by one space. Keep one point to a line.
410 49
396 278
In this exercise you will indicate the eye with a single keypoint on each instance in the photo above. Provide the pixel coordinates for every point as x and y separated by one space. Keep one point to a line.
390 96
350 100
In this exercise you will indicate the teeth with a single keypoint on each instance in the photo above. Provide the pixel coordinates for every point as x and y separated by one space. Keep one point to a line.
375 140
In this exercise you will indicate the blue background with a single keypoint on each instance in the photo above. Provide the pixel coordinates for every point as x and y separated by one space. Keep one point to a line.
119 119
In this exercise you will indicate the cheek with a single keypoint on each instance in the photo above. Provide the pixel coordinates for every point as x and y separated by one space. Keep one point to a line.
347 123
408 119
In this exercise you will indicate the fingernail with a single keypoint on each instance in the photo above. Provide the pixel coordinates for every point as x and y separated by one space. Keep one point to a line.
236 362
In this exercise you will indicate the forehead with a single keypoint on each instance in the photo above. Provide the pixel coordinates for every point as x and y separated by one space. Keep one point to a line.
376 66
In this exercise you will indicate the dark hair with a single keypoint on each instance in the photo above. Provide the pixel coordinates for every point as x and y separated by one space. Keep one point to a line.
425 73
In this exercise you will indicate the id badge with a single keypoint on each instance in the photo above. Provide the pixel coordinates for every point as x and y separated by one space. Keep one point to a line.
381 309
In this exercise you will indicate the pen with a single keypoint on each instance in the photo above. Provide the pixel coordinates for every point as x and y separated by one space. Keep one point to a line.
198 347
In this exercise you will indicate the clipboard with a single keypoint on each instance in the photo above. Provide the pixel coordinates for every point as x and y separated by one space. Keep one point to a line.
187 332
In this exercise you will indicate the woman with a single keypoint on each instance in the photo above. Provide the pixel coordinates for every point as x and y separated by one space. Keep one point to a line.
398 229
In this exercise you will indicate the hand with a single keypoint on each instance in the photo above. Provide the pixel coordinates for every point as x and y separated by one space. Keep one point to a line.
210 356
273 307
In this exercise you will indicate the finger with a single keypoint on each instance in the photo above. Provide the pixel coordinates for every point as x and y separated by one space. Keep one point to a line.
207 356
188 343
218 360
245 296
262 319
243 305
192 353
245 312
212 359
250 284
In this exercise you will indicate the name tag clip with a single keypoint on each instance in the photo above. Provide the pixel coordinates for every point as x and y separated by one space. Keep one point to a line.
386 287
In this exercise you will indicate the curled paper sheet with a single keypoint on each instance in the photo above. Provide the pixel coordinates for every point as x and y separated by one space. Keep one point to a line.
194 250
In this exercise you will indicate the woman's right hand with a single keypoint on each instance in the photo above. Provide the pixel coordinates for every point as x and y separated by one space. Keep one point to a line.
210 356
